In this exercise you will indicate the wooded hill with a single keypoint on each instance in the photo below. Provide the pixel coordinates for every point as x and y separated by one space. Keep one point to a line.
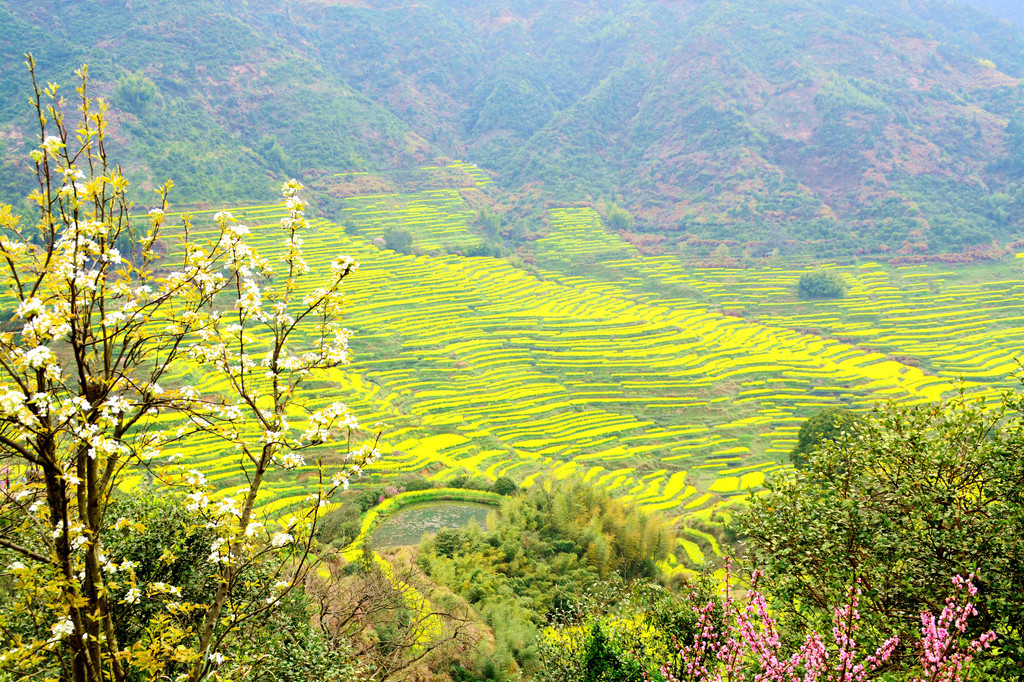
844 124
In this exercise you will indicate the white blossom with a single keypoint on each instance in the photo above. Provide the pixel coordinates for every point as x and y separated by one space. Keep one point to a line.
52 145
29 308
292 460
38 356
342 265
62 628
281 539
196 501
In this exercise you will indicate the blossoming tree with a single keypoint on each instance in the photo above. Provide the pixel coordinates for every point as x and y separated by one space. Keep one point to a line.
108 317
745 640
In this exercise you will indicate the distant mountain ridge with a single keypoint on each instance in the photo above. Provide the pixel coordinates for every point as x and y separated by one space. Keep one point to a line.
857 125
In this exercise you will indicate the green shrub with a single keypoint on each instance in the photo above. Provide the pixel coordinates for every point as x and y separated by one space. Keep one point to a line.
504 486
418 484
136 93
826 425
448 542
820 284
618 218
398 239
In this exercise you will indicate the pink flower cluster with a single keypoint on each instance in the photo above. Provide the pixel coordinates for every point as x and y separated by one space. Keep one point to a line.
748 643
942 659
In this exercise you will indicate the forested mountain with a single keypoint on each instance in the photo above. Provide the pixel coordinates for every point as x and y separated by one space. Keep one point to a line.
853 124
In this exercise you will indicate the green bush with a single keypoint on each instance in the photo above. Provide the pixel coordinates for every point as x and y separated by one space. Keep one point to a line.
488 221
136 93
618 218
820 284
448 542
398 239
504 486
418 484
828 424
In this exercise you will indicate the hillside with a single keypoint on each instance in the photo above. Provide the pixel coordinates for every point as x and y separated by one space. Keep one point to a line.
863 124
829 127
200 94
672 386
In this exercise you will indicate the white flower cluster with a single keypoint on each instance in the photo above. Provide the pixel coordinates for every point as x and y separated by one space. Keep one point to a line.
322 423
292 255
165 588
331 349
43 324
343 265
292 460
62 628
219 552
37 358
196 501
360 458
132 596
281 539
52 145
13 407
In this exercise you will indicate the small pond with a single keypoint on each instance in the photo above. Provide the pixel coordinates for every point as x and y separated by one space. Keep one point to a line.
409 524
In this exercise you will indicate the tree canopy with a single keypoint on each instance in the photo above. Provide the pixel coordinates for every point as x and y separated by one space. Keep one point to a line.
913 496
102 342
820 284
829 424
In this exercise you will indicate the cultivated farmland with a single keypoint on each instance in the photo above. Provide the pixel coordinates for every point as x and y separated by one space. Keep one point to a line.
676 387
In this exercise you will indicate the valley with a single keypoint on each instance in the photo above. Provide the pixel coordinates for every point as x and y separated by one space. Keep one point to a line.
677 387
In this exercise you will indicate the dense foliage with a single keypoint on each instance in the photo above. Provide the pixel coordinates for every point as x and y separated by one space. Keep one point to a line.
617 632
902 502
540 549
829 424
167 548
820 284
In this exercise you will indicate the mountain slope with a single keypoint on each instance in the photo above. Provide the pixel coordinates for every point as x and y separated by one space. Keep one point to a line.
830 126
225 91
869 125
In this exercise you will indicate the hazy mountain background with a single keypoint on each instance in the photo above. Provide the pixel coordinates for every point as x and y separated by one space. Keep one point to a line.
870 125
1009 10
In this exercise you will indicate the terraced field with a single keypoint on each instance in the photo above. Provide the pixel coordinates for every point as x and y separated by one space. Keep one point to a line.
675 387
436 218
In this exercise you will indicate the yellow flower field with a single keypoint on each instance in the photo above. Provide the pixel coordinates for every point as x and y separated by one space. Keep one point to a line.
642 384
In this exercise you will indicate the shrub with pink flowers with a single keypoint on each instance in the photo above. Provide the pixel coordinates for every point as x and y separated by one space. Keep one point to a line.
734 637
745 643
902 499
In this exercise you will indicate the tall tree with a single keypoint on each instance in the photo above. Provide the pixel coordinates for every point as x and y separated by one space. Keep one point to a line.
94 333
903 502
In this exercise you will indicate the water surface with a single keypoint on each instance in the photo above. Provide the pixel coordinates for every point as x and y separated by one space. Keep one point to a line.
407 526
